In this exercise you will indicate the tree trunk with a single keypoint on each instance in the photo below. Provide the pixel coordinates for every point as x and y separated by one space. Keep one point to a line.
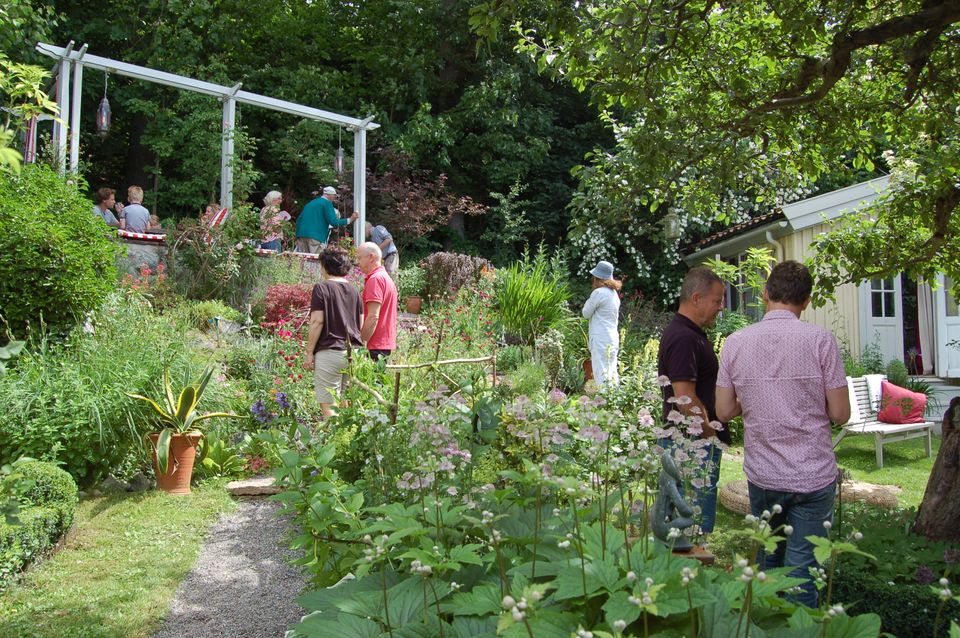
138 158
939 515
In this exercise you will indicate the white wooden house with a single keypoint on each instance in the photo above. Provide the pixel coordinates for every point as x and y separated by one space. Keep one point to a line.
909 321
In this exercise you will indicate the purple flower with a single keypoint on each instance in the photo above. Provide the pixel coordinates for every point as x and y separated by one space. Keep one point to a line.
283 401
925 575
260 412
557 396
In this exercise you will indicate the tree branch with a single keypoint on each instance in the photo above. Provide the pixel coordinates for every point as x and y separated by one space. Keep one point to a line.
832 69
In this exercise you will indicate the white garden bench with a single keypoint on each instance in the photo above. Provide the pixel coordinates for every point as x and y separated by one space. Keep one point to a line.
863 419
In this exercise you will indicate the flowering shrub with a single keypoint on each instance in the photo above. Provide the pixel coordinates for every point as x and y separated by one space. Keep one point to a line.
446 273
153 284
556 545
287 304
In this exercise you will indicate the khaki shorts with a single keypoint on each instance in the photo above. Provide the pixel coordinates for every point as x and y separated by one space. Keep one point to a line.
307 245
390 263
328 367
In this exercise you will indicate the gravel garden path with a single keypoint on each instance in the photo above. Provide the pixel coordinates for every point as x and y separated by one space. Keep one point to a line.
242 585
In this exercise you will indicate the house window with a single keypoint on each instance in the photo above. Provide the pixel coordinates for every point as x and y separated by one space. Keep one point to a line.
882 295
950 302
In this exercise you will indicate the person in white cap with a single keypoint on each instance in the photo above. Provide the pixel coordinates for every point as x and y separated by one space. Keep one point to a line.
603 310
315 220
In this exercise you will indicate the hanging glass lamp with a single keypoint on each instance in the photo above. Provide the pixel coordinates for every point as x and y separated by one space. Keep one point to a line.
103 112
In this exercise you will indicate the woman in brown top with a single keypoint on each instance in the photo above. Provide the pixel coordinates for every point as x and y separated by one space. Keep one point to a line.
335 309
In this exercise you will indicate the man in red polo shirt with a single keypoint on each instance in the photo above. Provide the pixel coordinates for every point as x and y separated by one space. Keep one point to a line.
379 329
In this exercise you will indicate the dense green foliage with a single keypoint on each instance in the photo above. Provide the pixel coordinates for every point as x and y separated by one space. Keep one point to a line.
56 262
66 402
46 513
531 298
724 109
481 121
904 609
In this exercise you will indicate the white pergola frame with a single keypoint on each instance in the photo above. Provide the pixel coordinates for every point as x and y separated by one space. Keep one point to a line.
68 58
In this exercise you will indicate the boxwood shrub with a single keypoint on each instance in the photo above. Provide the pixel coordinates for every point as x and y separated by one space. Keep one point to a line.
56 259
904 609
45 515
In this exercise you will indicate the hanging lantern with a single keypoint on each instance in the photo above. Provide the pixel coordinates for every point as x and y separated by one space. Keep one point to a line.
671 226
338 158
103 112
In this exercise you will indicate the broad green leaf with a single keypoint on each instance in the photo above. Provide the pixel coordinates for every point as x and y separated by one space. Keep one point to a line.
618 607
466 554
344 626
862 626
480 601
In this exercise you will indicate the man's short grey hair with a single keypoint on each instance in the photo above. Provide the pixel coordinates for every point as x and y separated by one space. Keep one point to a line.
371 247
700 279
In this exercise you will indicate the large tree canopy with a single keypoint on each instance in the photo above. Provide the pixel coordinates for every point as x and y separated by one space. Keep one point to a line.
722 108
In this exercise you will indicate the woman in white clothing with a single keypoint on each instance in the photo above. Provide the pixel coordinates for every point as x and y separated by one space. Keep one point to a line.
603 309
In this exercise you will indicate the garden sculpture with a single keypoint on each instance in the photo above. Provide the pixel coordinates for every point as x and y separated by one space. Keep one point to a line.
670 510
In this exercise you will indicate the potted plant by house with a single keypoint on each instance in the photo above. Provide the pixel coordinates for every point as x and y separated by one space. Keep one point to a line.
410 283
181 429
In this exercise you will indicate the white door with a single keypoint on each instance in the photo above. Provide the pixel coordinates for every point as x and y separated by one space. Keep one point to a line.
948 329
881 313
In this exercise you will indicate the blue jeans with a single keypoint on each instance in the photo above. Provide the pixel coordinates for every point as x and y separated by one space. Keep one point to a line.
706 497
805 512
271 245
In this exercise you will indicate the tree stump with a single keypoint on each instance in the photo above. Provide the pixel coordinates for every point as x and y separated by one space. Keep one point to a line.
940 509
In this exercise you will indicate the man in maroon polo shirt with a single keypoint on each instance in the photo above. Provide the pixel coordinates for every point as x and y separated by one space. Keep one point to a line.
687 359
379 329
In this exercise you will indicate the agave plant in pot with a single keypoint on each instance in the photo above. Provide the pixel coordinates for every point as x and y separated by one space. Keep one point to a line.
181 429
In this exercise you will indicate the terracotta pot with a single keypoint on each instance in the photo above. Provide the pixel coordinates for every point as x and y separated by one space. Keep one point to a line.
587 369
183 452
413 305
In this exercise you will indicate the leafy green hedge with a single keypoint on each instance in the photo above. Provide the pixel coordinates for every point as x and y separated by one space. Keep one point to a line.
66 402
46 514
56 260
904 610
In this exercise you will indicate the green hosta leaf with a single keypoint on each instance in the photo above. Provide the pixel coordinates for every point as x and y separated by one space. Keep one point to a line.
954 630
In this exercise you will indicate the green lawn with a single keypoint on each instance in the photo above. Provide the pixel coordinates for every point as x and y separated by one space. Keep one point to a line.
118 568
904 465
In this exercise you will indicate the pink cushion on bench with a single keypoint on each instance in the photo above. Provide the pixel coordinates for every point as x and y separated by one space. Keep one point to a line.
899 405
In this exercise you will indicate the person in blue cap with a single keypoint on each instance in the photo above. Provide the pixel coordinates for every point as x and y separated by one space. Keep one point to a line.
603 311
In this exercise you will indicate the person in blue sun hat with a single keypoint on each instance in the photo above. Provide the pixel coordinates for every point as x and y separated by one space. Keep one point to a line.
603 310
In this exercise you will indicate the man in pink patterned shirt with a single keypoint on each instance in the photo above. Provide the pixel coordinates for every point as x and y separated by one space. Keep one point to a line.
786 378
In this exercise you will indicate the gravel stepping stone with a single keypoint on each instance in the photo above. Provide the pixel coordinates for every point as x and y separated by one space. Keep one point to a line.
254 486
242 584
